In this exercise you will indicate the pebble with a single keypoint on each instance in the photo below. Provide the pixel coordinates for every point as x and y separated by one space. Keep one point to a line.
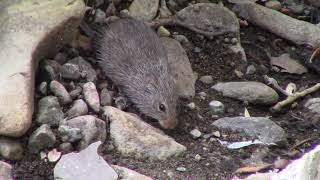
43 88
197 50
226 40
239 74
234 41
10 149
191 106
61 58
251 70
197 157
70 71
163 32
91 96
66 147
206 79
120 102
181 169
99 16
144 10
60 91
195 133
5 171
86 70
182 39
68 134
202 95
216 134
105 97
51 70
76 92
273 4
78 108
49 111
41 138
216 107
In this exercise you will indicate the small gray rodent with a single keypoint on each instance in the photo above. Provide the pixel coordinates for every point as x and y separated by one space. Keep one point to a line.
133 57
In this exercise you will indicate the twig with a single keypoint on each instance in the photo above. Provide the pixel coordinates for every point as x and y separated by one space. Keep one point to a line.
300 143
314 54
292 98
274 84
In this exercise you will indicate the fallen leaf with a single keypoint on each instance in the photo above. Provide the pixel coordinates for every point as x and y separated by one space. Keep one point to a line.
253 169
246 113
43 155
288 64
54 155
291 88
238 145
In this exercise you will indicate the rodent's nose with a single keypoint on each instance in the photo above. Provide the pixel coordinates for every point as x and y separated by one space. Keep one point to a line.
168 124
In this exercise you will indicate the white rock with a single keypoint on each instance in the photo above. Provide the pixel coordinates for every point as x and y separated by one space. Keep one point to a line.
128 174
91 96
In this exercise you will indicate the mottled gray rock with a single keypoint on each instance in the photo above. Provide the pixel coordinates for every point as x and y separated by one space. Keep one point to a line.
85 165
180 68
68 134
76 92
70 71
41 138
216 107
128 174
273 4
313 105
253 92
206 79
144 9
60 91
91 96
92 129
43 88
134 138
195 133
49 111
105 97
251 70
78 108
86 69
61 58
5 171
260 127
66 147
10 149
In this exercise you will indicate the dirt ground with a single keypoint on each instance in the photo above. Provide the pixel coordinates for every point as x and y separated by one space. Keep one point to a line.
217 161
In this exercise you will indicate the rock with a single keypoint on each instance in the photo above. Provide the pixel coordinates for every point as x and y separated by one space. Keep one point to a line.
180 67
182 39
91 96
70 71
29 35
49 111
10 149
144 10
313 105
134 138
191 106
164 12
314 3
68 134
181 169
163 32
206 79
195 133
216 107
197 157
128 174
86 70
251 70
76 92
66 147
5 171
92 129
253 92
43 88
78 108
85 165
259 127
273 4
99 16
61 58
105 97
60 91
288 65
41 138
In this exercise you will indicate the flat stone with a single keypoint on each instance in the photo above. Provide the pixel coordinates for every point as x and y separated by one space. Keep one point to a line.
60 91
85 165
41 138
78 108
92 129
144 9
68 134
31 32
253 92
10 149
180 68
91 96
259 127
134 138
206 79
128 174
70 71
86 70
49 111
5 171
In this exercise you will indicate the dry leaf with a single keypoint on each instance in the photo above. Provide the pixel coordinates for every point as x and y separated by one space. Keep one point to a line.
253 169
246 113
54 155
288 64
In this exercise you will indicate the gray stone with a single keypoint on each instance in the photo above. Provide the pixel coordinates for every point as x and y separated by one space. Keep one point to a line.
76 92
78 108
61 58
5 171
92 129
134 138
191 106
66 147
68 134
32 32
128 174
253 92
10 149
273 4
206 79
313 105
180 68
85 165
86 69
49 111
91 96
195 133
144 9
216 107
251 70
105 97
60 91
99 16
41 138
259 127
182 39
43 88
70 71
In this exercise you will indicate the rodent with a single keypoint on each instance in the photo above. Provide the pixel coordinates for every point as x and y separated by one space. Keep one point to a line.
131 54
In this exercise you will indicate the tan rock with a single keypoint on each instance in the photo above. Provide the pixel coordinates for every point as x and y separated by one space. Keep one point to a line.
144 9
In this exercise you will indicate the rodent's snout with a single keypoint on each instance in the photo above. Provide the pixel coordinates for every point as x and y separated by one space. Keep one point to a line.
168 124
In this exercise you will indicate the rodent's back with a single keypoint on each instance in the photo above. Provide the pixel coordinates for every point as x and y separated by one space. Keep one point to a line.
133 57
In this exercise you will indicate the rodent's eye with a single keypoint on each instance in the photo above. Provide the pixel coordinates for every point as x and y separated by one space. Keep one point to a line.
162 107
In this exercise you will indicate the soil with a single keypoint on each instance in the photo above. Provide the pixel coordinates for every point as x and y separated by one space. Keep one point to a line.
217 161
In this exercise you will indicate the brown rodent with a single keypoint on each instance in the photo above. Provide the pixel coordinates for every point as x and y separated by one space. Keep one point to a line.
133 57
